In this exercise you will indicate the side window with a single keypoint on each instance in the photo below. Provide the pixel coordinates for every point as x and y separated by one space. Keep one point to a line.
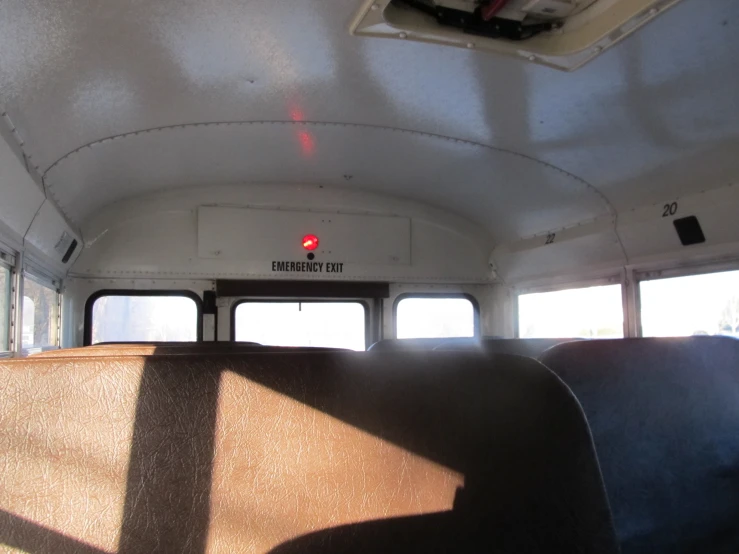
127 317
694 305
312 323
5 288
592 312
435 317
40 315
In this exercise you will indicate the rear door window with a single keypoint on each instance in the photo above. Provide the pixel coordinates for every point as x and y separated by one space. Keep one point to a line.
591 312
705 304
143 318
311 323
435 317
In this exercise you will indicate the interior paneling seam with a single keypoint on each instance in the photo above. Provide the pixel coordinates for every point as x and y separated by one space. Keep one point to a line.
35 215
28 164
330 124
588 185
31 170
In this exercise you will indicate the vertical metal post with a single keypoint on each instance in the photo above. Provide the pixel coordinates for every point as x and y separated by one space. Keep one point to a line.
630 303
59 314
378 321
16 317
223 319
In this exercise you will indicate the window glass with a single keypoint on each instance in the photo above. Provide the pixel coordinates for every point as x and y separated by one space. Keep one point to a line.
120 318
434 318
592 312
693 305
328 324
40 315
4 308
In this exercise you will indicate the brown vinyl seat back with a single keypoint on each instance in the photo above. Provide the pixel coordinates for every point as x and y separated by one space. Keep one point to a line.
189 344
174 348
664 414
296 452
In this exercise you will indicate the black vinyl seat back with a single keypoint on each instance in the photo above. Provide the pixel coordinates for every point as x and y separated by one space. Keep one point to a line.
530 348
421 345
664 414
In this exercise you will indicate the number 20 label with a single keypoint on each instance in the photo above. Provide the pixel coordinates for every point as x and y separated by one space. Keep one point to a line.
669 209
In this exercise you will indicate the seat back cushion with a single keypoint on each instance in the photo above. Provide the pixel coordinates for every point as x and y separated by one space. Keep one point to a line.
664 414
532 348
302 452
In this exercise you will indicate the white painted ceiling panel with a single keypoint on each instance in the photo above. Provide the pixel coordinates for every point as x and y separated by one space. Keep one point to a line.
657 115
559 258
650 231
51 238
20 197
157 236
509 194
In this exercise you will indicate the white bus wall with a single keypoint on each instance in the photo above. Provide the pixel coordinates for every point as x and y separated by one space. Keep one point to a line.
20 196
157 236
29 222
636 238
497 310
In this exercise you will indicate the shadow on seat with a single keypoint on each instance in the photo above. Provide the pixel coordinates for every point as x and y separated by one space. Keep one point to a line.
309 452
664 414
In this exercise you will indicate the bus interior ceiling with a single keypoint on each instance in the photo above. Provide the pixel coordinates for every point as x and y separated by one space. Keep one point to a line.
170 145
205 204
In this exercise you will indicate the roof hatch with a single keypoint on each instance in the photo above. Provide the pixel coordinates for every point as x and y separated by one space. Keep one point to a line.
564 34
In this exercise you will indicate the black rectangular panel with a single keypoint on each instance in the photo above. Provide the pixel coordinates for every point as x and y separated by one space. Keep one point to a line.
689 230
70 251
302 289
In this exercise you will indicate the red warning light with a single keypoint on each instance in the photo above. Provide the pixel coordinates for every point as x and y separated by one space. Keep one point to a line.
310 242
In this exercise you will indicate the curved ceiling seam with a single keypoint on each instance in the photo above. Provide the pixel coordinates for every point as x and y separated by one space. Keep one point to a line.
618 238
604 199
328 124
8 123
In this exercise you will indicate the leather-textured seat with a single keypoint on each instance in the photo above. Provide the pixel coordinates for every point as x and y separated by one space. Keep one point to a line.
531 348
193 344
664 414
185 348
296 452
417 345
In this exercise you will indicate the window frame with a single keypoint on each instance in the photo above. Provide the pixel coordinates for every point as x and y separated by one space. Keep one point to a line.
282 300
673 273
9 323
476 322
590 283
43 280
90 303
